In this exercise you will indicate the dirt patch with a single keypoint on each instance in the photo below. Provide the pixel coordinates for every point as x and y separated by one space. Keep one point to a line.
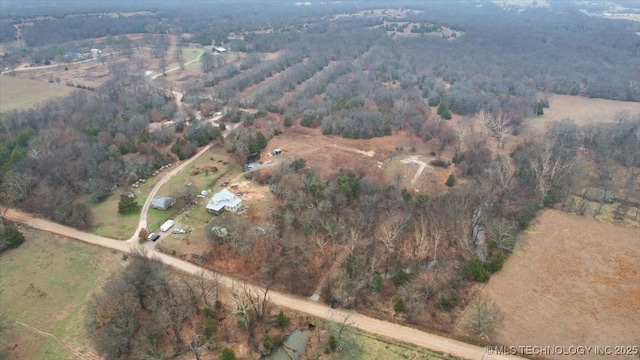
576 278
330 154
248 190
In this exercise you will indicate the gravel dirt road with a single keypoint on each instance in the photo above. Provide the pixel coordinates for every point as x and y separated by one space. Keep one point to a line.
375 326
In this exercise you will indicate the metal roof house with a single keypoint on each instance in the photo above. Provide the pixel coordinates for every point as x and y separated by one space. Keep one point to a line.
162 202
224 200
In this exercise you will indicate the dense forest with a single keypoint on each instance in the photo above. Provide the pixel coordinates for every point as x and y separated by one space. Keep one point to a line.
344 70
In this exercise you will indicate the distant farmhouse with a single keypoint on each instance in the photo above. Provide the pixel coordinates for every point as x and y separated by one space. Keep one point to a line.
162 202
224 200
219 49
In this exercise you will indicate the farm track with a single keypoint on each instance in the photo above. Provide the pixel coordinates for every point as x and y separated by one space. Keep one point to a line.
333 270
72 348
369 153
415 160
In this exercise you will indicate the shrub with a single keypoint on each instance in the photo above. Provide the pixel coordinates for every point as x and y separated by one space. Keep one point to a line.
451 181
439 163
287 121
399 306
10 238
525 215
143 234
457 159
333 343
376 284
406 196
448 300
422 200
277 132
476 271
271 341
227 354
549 201
283 320
298 164
496 263
400 278
209 327
222 127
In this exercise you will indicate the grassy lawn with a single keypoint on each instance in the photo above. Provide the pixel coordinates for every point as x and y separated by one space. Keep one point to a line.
19 94
203 179
46 284
192 53
373 347
109 223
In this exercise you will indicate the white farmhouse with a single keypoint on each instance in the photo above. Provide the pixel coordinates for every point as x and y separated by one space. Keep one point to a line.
224 200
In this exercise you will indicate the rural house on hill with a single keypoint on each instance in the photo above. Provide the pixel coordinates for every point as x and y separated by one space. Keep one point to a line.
223 200
162 202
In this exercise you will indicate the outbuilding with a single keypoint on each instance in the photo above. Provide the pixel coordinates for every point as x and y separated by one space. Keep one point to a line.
162 202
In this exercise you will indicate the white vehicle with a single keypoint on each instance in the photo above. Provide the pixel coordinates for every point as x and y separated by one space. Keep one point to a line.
167 225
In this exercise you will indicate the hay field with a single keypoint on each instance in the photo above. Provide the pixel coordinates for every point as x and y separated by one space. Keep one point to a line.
19 93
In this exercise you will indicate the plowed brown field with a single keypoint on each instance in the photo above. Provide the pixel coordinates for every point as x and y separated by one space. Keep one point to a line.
572 281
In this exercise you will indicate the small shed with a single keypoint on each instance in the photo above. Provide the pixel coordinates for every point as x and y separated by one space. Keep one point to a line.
162 202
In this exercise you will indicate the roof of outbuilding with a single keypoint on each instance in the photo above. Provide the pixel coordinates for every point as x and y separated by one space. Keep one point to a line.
161 201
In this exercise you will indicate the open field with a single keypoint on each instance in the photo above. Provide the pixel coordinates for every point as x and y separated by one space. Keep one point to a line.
582 110
373 347
94 72
18 94
45 284
574 277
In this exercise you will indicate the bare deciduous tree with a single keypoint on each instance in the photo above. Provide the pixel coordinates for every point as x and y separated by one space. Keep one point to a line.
482 319
499 124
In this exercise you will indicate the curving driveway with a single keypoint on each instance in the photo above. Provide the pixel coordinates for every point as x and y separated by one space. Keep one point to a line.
142 224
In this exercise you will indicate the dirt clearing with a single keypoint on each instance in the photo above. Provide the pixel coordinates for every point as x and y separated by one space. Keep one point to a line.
572 281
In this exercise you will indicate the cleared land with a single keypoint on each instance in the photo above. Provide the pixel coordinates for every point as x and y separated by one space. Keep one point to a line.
582 110
572 281
18 94
42 289
373 157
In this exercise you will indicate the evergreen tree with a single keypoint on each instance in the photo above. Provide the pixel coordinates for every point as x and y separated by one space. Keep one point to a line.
443 110
127 205
227 354
451 181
